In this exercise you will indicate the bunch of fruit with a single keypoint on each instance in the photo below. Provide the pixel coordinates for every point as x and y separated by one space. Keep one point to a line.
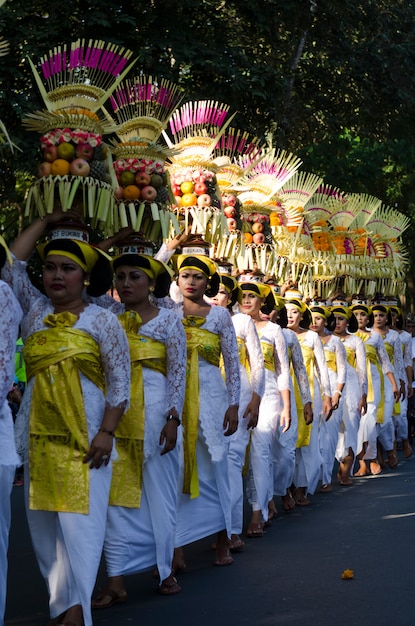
231 209
259 231
141 179
69 152
195 188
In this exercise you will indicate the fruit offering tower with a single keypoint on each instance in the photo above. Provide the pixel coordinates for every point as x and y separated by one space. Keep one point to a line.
142 107
260 210
196 129
76 172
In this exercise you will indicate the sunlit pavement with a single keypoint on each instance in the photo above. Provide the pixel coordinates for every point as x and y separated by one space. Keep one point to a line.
292 575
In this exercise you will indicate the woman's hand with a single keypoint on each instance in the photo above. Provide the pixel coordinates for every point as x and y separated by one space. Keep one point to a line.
230 421
253 411
327 410
285 420
100 450
168 436
308 413
363 404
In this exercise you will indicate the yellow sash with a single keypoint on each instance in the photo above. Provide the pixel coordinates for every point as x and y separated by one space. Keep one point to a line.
58 434
267 350
350 356
206 344
331 360
304 430
242 353
127 474
390 351
373 358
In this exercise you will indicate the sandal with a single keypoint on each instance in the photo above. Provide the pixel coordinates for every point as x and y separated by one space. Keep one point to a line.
224 560
393 460
236 544
169 588
114 598
255 529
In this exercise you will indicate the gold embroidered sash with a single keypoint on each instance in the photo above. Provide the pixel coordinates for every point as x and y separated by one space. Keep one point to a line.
304 430
331 360
351 356
242 352
58 433
267 350
390 351
206 344
127 473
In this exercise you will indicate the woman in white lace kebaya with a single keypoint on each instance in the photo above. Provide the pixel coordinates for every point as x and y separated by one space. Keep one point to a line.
10 316
272 437
323 324
400 418
355 399
308 455
141 522
301 412
251 369
73 351
386 431
210 412
378 368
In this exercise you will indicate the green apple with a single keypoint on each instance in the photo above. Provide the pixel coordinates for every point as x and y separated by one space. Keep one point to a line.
127 178
66 151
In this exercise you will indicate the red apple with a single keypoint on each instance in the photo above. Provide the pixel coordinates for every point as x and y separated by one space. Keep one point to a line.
50 153
200 189
258 238
204 200
229 211
257 227
231 223
176 190
79 167
84 151
230 200
148 193
118 193
45 169
142 179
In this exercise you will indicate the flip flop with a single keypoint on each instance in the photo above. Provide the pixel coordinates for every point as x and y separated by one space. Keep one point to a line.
114 598
255 530
169 589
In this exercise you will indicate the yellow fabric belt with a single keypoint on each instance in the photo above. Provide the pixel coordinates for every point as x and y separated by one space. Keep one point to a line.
58 433
331 360
390 351
127 474
351 356
304 430
206 344
268 354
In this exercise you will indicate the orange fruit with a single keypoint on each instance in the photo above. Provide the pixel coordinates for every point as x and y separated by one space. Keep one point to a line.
60 167
131 192
189 199
248 238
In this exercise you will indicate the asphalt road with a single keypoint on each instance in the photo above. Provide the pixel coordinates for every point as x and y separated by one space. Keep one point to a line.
291 576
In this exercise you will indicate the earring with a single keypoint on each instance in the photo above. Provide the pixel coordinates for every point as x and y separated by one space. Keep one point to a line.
151 289
86 283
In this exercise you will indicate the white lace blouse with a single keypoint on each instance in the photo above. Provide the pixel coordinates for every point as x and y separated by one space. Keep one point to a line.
10 317
102 325
272 333
357 345
245 330
297 361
